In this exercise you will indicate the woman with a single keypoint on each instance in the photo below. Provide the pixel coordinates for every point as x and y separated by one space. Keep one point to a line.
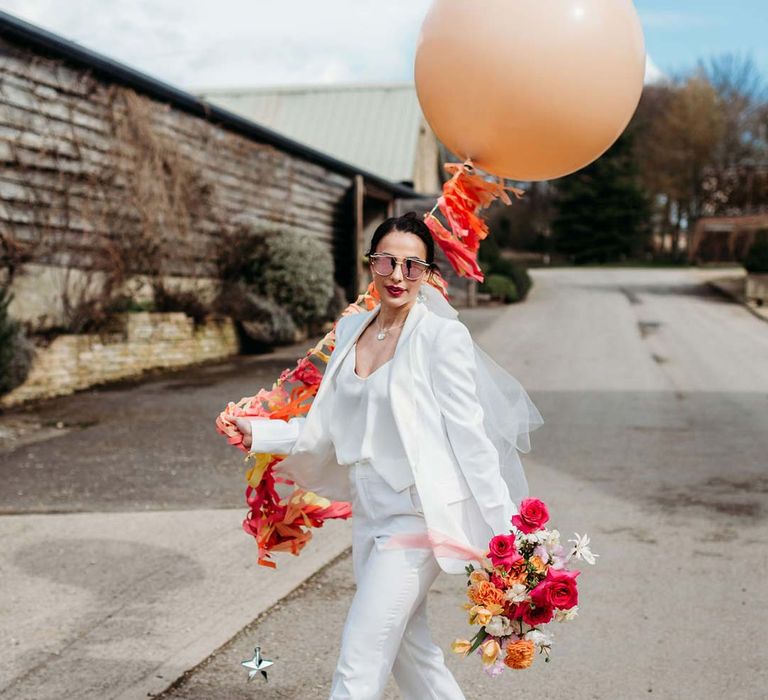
397 428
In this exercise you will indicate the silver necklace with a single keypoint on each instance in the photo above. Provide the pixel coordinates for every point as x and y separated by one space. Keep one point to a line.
382 332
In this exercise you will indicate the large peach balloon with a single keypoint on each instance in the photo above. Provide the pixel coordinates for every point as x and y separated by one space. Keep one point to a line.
530 89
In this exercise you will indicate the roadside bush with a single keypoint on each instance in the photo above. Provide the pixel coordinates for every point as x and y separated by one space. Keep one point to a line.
88 296
514 271
757 255
243 254
299 276
493 264
274 282
500 287
16 350
167 299
270 322
522 281
261 321
337 303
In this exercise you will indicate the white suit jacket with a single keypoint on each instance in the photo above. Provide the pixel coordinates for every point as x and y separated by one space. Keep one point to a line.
440 421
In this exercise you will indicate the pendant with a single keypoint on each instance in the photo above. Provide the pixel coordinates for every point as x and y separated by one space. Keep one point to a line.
381 336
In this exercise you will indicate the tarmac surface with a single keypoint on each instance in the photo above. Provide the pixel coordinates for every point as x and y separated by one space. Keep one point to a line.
123 565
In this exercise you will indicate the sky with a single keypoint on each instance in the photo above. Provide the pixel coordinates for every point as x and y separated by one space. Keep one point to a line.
241 43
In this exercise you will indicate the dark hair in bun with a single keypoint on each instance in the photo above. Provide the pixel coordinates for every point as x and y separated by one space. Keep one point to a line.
410 222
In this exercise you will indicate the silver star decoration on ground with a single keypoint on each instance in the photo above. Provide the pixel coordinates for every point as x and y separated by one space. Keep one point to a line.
257 665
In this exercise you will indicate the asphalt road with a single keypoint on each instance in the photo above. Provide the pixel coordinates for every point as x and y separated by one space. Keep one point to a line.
131 446
123 566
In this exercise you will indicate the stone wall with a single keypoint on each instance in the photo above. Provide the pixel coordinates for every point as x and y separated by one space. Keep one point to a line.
757 288
137 342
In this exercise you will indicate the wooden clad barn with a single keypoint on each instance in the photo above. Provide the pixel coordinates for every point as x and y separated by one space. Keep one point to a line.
98 160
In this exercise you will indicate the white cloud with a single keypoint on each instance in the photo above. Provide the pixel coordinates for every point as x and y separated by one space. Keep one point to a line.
242 42
653 74
234 43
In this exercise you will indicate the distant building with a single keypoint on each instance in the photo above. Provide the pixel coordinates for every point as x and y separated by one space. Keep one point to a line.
379 128
724 238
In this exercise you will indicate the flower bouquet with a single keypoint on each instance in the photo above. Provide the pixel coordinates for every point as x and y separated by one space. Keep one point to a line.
524 584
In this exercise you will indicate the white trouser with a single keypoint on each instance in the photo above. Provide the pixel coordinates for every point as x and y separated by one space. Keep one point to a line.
386 628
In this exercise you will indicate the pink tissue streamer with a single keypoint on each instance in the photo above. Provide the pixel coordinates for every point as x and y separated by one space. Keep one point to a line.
441 544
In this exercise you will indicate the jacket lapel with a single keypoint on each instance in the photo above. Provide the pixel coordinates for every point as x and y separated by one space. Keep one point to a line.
339 353
400 386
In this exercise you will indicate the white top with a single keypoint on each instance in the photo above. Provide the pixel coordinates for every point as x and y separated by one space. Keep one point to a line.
362 425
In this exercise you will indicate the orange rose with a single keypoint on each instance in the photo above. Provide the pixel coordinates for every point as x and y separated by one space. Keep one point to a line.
478 615
538 564
485 593
518 569
518 577
520 653
478 575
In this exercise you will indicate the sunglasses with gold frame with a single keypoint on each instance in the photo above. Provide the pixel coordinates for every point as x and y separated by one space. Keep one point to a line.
384 264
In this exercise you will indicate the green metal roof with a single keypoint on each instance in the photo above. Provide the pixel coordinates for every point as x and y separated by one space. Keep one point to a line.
374 127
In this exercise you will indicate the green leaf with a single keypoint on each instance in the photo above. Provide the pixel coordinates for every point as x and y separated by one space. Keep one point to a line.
479 639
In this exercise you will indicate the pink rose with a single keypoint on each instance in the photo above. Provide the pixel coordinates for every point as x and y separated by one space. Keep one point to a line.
532 516
539 615
557 590
517 610
502 550
498 581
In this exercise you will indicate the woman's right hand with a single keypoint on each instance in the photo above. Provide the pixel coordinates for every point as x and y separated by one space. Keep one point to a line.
244 426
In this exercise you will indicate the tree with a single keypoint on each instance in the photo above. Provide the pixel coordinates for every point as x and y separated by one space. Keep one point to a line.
602 213
702 143
736 182
737 81
522 225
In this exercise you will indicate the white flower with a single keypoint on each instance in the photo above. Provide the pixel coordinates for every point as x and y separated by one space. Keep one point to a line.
566 615
533 537
581 548
499 626
517 593
539 638
553 540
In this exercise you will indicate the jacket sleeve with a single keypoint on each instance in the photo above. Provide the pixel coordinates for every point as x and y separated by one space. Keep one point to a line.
279 436
454 383
275 436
